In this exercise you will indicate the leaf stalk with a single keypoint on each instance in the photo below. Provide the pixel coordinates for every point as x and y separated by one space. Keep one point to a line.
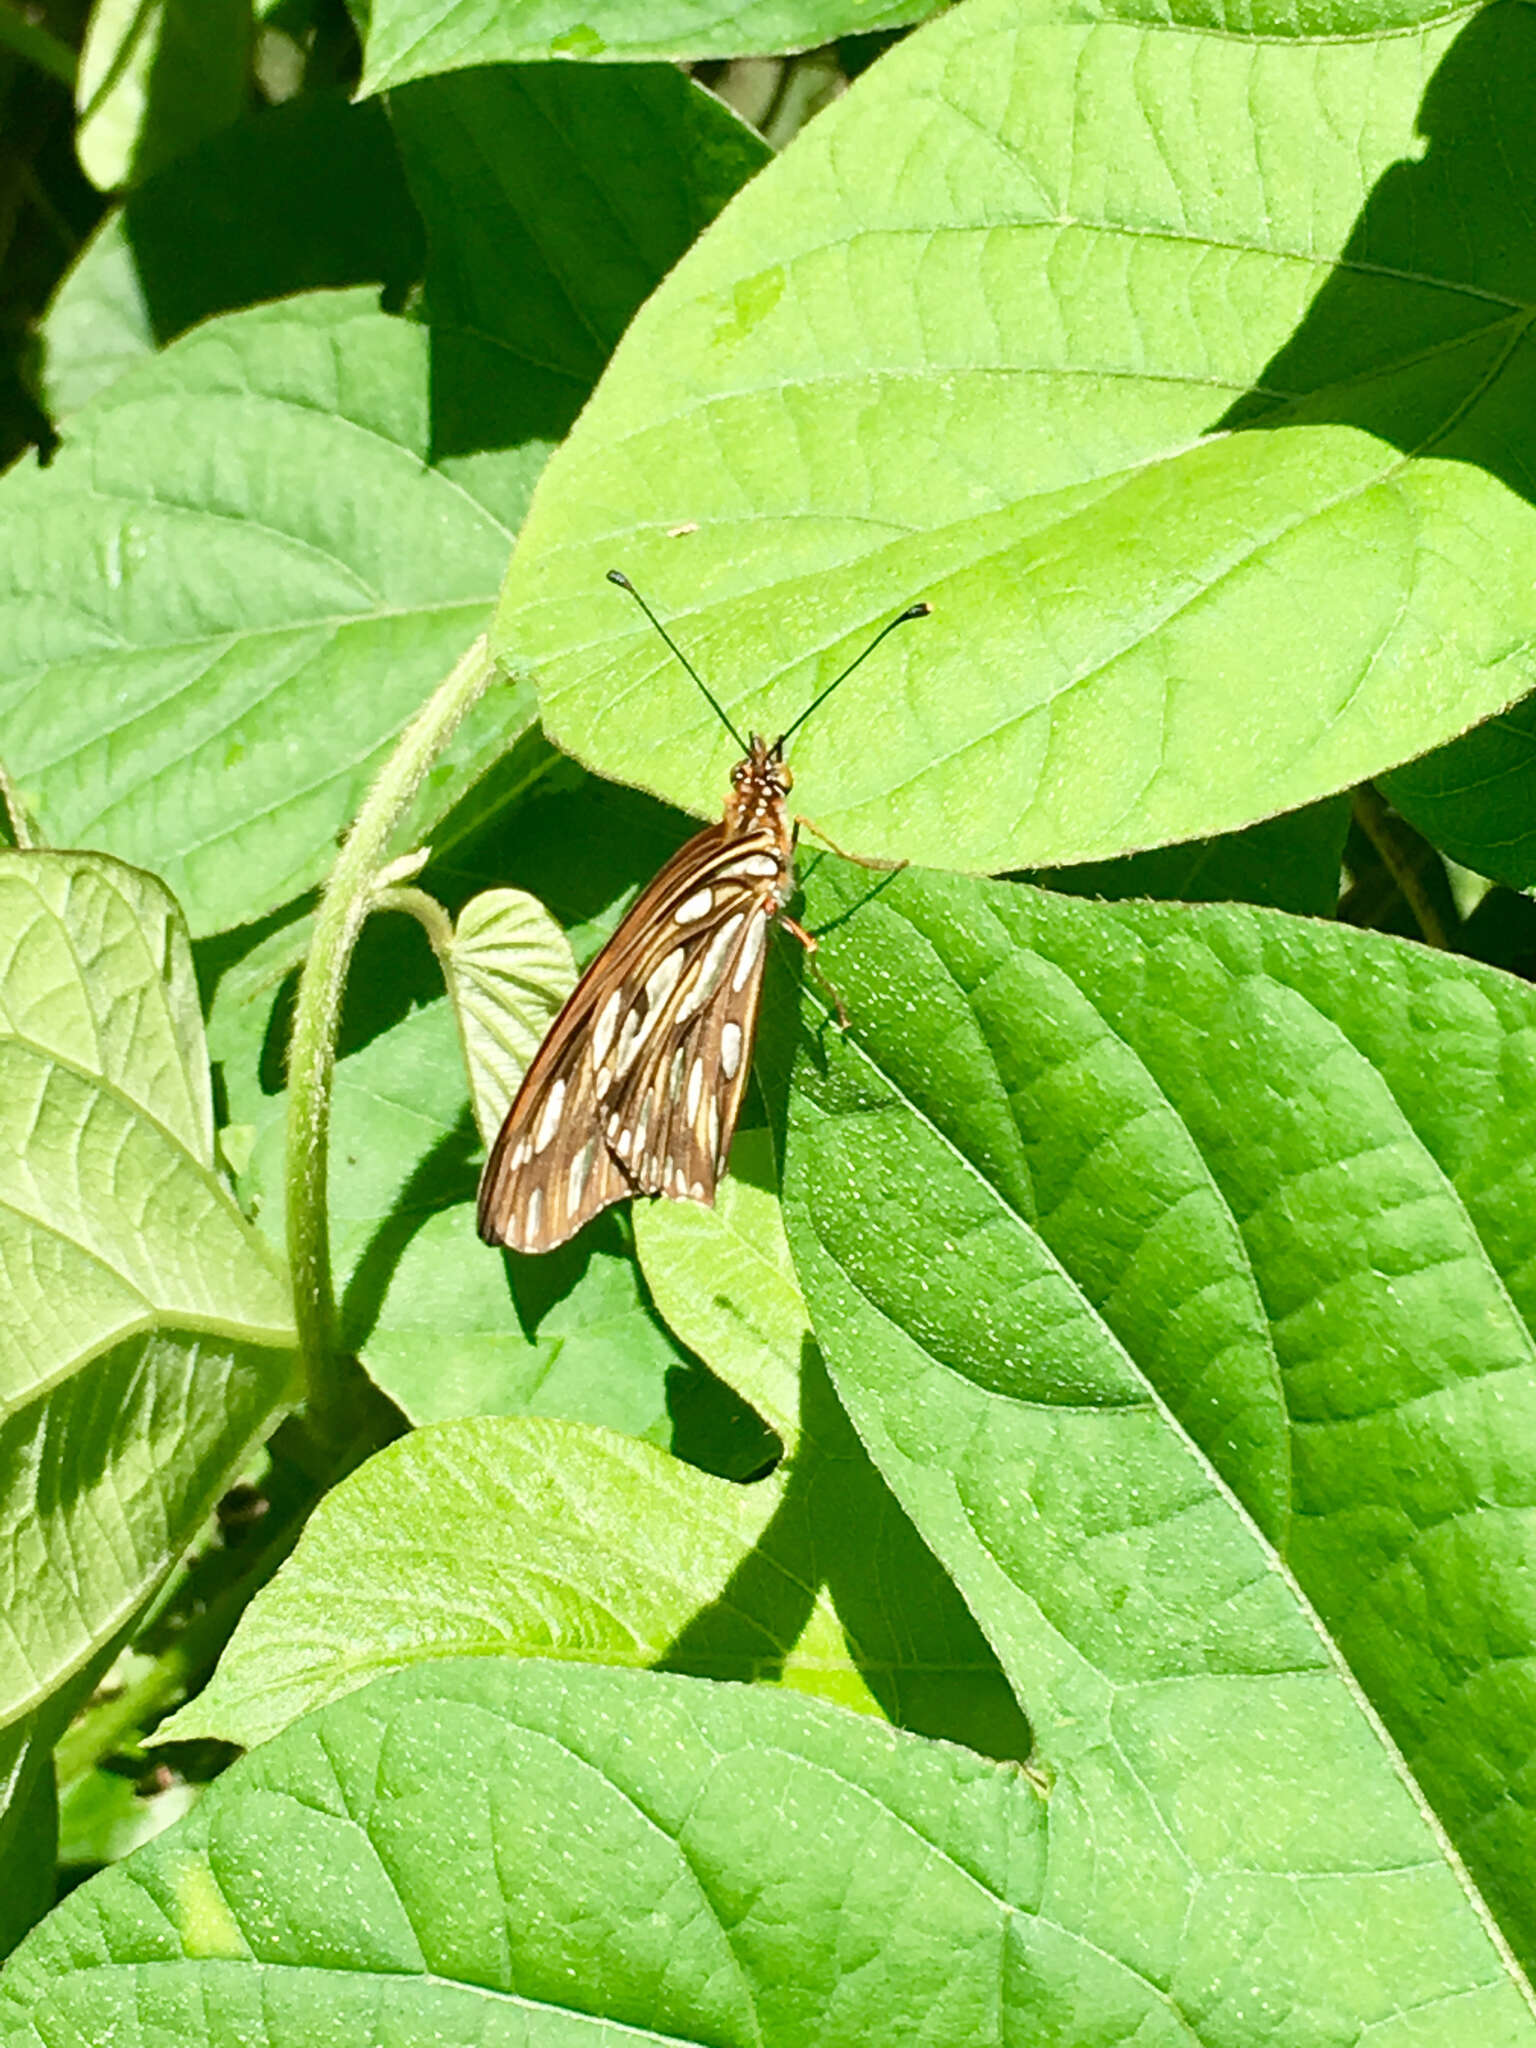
350 894
38 45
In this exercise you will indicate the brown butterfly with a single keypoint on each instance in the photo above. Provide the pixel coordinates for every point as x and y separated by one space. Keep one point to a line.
638 1083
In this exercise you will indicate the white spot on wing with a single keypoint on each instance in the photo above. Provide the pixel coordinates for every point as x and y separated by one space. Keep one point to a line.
535 1211
697 1191
622 1148
762 865
603 1030
695 1089
549 1121
730 1048
637 1028
694 907
751 950
711 967
662 982
581 1166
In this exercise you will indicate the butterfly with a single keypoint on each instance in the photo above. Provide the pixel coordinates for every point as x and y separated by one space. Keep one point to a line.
638 1083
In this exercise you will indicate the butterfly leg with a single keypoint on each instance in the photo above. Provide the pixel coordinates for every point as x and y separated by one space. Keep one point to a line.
812 947
859 860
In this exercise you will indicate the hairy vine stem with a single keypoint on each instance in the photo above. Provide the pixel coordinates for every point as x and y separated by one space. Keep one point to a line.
349 895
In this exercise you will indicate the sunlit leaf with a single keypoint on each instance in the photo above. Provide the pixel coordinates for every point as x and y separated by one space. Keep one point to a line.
146 1339
1184 380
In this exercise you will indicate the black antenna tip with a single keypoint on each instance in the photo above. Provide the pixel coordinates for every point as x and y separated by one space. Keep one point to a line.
618 576
920 610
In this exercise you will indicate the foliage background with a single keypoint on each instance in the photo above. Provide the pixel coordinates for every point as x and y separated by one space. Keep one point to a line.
1112 1357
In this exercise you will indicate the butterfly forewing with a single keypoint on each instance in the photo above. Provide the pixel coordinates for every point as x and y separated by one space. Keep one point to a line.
638 1085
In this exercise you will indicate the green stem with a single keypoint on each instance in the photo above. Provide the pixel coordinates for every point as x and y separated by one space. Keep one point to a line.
39 46
428 913
348 898
1402 852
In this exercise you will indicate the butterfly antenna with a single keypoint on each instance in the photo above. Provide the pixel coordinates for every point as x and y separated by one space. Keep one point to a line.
913 611
618 576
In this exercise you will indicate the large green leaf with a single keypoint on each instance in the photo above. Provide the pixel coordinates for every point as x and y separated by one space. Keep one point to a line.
226 594
240 574
556 200
556 1858
294 199
1178 374
145 1340
413 38
1093 1194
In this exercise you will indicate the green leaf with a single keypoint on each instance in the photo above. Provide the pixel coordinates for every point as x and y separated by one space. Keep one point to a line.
316 189
227 593
1476 799
606 1549
557 198
147 1328
413 38
1196 407
97 324
509 969
1311 21
724 1280
520 1855
1092 1194
155 77
609 1551
1292 862
29 1808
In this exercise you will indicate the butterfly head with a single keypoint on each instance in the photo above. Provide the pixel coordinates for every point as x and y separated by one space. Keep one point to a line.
762 778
